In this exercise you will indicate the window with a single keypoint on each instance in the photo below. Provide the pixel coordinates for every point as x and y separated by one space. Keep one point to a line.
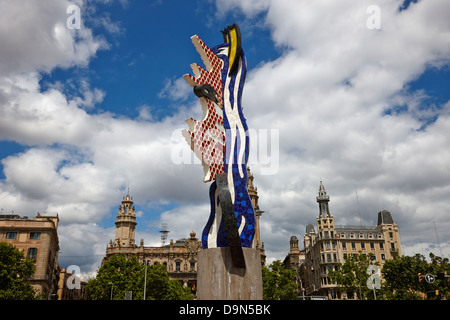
344 245
192 265
178 266
32 253
372 245
362 245
35 235
381 245
391 235
11 235
353 245
383 256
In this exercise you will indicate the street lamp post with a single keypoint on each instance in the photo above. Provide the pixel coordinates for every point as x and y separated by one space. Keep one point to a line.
145 280
111 290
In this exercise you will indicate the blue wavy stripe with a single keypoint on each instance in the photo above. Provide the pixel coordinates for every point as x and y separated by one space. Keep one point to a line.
242 204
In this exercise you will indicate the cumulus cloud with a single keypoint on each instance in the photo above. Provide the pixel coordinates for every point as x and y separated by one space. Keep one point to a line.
34 36
176 90
83 245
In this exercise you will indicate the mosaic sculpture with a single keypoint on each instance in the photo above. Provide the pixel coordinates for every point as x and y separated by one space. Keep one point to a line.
220 140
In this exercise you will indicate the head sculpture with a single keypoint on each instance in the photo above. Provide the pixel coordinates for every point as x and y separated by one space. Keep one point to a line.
220 140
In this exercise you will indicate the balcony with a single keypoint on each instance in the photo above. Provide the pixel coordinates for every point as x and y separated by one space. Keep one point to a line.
330 260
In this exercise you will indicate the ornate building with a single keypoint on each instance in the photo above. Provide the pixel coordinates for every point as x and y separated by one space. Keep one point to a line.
179 257
253 193
295 259
325 248
38 239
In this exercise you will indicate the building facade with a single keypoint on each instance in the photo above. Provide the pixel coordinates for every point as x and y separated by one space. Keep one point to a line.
295 259
179 257
38 239
329 245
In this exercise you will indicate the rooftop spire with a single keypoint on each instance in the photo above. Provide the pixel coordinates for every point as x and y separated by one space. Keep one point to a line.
323 200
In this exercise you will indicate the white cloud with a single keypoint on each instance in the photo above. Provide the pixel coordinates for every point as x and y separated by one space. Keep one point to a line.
34 36
83 245
249 8
183 220
176 90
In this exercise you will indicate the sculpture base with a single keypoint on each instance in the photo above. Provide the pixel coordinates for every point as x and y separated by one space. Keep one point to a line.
218 279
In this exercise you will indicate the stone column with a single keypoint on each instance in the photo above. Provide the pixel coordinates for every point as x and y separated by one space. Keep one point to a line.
218 279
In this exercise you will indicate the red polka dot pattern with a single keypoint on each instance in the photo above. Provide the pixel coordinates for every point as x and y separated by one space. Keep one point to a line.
208 137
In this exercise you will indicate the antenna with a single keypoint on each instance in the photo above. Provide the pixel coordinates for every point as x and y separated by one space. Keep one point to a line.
164 232
437 237
357 204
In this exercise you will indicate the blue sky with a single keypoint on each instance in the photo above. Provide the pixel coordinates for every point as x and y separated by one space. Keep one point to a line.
149 46
86 113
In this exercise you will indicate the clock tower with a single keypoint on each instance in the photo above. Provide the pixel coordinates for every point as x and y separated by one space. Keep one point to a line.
125 224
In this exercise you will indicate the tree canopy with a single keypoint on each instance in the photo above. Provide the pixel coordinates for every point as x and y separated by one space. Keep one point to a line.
15 272
400 277
352 274
119 275
279 283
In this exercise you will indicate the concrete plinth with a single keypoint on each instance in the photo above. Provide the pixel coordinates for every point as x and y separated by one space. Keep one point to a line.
218 279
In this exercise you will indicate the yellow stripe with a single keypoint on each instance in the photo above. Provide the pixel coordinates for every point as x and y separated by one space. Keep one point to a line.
233 45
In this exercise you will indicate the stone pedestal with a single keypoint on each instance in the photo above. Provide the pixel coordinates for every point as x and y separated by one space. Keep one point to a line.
218 279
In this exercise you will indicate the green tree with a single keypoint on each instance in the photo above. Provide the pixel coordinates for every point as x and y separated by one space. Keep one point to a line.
279 282
119 275
160 287
352 274
401 281
441 266
15 272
